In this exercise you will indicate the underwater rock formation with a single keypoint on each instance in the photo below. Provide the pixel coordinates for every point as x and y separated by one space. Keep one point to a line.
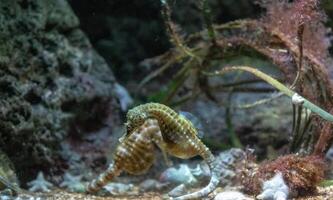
50 78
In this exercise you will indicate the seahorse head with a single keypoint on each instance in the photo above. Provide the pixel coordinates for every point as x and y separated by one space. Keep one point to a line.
135 118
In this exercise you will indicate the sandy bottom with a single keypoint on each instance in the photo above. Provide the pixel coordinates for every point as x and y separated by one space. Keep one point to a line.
323 194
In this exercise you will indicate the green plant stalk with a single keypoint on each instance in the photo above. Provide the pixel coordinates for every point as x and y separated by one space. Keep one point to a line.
233 137
296 131
160 70
326 183
174 87
177 81
306 103
259 102
10 185
166 14
208 21
228 119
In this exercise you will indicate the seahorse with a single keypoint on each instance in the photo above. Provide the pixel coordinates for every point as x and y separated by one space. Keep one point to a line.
150 124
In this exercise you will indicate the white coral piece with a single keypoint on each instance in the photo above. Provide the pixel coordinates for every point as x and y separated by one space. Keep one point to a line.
39 184
72 183
275 189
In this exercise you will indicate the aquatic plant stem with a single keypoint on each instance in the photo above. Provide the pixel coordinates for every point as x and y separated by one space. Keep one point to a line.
228 120
326 183
306 103
171 29
207 17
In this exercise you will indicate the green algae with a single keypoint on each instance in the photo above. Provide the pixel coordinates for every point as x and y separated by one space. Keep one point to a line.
8 178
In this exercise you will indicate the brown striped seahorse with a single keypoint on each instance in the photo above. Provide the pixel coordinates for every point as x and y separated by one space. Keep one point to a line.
150 124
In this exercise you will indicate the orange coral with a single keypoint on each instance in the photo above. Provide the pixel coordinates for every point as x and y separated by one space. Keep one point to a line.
301 174
325 138
286 18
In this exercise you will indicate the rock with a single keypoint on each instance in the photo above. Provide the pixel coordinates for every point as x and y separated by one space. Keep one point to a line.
226 163
119 188
231 195
151 185
178 191
181 175
50 79
201 171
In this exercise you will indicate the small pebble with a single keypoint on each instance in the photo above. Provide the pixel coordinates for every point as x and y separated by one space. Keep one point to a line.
180 175
119 188
178 191
151 185
231 195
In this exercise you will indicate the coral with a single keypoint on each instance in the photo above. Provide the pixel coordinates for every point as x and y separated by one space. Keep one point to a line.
286 18
274 189
72 183
325 139
39 184
300 174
